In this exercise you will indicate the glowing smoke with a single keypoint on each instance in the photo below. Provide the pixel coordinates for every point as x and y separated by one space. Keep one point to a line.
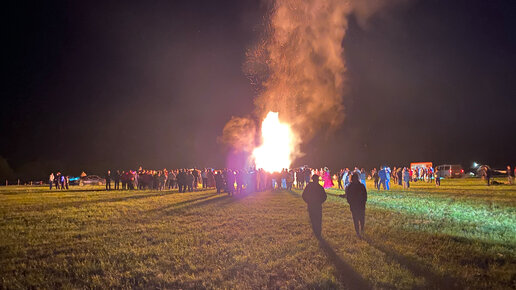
299 65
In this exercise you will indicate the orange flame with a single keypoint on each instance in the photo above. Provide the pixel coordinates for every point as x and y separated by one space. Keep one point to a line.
277 147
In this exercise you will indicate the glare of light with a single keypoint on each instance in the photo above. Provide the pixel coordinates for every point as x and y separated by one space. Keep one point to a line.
277 145
475 165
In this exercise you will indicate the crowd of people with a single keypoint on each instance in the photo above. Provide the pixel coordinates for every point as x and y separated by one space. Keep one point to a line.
59 181
236 181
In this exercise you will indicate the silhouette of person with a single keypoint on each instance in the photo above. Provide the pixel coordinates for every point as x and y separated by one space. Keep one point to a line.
314 196
356 195
108 180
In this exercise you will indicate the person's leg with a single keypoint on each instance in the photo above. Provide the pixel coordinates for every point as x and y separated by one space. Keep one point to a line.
362 221
315 214
356 220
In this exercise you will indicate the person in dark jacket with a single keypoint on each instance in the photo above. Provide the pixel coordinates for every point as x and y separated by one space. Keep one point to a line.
356 194
219 182
117 177
314 196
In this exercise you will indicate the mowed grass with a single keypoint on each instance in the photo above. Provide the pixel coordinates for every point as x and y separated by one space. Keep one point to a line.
461 235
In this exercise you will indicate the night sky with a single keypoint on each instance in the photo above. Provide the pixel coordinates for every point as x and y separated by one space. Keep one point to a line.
118 84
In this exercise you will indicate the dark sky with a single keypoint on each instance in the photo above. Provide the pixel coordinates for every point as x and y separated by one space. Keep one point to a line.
90 85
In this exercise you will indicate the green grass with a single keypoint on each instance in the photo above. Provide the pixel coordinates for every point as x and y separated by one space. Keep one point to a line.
461 235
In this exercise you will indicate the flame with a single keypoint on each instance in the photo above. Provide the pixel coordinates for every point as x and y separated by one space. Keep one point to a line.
277 147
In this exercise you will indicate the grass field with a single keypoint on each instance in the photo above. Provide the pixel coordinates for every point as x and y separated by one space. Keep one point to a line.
461 235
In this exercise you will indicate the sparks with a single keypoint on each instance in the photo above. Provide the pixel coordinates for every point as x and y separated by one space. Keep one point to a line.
275 153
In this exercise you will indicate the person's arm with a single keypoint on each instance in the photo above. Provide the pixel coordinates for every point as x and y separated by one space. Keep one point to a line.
324 195
305 194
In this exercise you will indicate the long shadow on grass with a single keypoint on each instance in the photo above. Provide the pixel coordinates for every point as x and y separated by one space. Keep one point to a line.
185 202
345 273
36 191
433 280
220 200
104 200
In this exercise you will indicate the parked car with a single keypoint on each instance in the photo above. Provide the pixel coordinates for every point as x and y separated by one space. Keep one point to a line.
74 180
92 180
450 171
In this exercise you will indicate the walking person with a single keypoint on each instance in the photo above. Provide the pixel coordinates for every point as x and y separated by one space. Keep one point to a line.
356 195
314 196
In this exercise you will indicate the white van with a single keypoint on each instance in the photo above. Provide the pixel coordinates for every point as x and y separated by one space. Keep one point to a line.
450 171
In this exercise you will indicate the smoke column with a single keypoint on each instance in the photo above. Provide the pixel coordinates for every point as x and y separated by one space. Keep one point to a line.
299 65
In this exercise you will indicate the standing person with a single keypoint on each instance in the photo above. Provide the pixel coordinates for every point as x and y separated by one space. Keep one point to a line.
180 180
290 179
171 180
376 179
196 176
307 174
387 177
345 179
233 177
339 179
67 182
510 174
489 173
328 183
219 182
108 180
211 178
314 196
283 176
437 177
363 177
399 173
190 180
406 178
204 176
51 180
117 180
57 179
356 195
382 177
62 181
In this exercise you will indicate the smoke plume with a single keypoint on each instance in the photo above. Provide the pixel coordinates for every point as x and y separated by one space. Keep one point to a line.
299 65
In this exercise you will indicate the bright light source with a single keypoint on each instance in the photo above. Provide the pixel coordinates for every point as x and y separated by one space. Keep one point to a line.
275 152
475 165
